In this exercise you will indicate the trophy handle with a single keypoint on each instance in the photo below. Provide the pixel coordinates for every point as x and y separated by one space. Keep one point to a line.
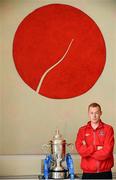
46 148
70 146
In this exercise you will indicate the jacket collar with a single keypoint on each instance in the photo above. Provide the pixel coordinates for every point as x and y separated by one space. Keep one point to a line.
100 124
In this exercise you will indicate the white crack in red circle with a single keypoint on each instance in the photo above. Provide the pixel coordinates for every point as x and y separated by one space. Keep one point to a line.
59 51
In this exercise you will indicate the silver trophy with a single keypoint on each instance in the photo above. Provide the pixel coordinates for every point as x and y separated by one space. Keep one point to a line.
57 150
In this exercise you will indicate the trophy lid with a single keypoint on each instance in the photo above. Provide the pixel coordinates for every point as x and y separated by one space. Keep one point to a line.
57 138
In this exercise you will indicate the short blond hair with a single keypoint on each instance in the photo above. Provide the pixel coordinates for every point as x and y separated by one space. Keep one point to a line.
94 105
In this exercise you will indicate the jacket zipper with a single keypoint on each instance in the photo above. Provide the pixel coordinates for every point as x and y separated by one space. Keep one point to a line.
94 142
97 166
94 138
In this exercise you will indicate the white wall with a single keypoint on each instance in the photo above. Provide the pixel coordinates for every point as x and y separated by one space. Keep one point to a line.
28 120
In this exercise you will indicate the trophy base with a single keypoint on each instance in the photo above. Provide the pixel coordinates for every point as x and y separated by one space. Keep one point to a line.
59 174
76 177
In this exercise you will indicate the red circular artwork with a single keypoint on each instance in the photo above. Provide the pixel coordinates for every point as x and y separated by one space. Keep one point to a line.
59 51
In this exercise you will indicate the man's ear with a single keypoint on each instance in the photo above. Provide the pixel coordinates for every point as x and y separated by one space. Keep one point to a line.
101 112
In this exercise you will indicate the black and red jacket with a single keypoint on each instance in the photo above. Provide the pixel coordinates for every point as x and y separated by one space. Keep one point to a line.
93 160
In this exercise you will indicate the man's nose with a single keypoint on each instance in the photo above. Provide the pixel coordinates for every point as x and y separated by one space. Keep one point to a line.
94 115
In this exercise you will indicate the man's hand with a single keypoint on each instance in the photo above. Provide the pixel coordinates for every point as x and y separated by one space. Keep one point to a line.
99 147
83 142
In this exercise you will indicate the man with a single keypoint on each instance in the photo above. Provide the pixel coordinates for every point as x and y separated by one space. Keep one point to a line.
95 143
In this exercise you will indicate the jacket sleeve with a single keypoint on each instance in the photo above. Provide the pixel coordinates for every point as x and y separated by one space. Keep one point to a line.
107 150
83 150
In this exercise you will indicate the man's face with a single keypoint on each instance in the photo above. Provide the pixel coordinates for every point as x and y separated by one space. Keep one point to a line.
94 114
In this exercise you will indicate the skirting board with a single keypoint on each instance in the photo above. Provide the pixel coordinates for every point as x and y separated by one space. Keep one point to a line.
12 165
